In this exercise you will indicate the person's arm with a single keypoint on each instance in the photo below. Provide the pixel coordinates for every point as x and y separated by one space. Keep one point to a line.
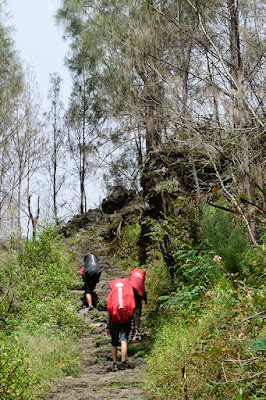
135 323
108 325
145 297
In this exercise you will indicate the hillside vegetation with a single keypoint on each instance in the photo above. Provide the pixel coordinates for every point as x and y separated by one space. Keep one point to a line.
38 316
206 307
206 302
167 113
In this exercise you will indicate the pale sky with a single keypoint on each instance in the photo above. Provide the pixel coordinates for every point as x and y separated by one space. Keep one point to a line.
39 41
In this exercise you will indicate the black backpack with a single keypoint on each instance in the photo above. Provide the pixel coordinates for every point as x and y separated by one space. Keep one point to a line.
91 266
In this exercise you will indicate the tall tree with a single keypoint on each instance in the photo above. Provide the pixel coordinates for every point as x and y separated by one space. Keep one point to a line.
83 119
11 85
27 145
188 70
55 122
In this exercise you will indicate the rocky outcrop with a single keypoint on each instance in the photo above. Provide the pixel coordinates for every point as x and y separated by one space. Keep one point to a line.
81 221
169 180
168 174
117 199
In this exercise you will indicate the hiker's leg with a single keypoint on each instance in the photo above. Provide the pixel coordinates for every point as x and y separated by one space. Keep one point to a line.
125 329
89 298
89 287
123 350
114 330
138 301
114 354
88 291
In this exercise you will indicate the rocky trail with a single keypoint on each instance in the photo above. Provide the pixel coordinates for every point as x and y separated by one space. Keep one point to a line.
97 381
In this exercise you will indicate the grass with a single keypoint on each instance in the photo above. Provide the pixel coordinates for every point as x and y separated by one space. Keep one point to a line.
50 358
209 357
39 332
102 305
118 385
95 314
140 349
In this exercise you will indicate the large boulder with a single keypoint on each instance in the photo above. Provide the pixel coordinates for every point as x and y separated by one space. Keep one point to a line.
81 221
117 199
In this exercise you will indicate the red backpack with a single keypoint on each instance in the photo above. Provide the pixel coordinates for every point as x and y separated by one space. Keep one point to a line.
121 301
137 279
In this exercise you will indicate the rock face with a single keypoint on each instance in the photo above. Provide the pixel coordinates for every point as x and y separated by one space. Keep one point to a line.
81 221
168 174
117 199
169 180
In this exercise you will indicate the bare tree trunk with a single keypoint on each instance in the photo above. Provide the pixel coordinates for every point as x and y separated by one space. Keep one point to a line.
214 93
83 154
34 220
19 229
55 176
153 105
234 38
139 147
185 61
54 117
242 114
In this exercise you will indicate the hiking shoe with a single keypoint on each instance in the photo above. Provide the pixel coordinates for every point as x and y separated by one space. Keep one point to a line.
136 338
114 367
126 365
90 308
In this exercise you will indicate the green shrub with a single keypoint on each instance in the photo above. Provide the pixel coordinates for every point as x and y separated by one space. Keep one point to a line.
211 356
195 267
157 280
227 238
253 264
41 327
194 273
14 374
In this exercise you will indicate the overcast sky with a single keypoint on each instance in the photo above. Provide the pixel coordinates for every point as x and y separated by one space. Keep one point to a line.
39 40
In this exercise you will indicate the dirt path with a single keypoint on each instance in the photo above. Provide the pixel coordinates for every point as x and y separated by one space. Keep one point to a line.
97 381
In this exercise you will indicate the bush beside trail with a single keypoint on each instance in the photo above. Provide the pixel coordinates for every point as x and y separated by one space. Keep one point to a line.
208 315
38 320
212 349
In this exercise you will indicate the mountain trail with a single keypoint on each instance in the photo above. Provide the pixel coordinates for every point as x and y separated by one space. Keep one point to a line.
97 381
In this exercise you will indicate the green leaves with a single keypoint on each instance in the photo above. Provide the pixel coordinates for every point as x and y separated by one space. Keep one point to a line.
258 344
13 371
195 267
44 309
227 238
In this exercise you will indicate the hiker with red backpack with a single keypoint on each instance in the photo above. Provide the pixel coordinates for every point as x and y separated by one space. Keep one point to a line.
91 272
121 308
137 280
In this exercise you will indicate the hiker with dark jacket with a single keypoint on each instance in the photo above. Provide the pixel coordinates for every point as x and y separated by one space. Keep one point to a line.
121 308
91 274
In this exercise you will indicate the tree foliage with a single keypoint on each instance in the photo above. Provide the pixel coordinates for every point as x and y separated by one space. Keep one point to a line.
185 70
